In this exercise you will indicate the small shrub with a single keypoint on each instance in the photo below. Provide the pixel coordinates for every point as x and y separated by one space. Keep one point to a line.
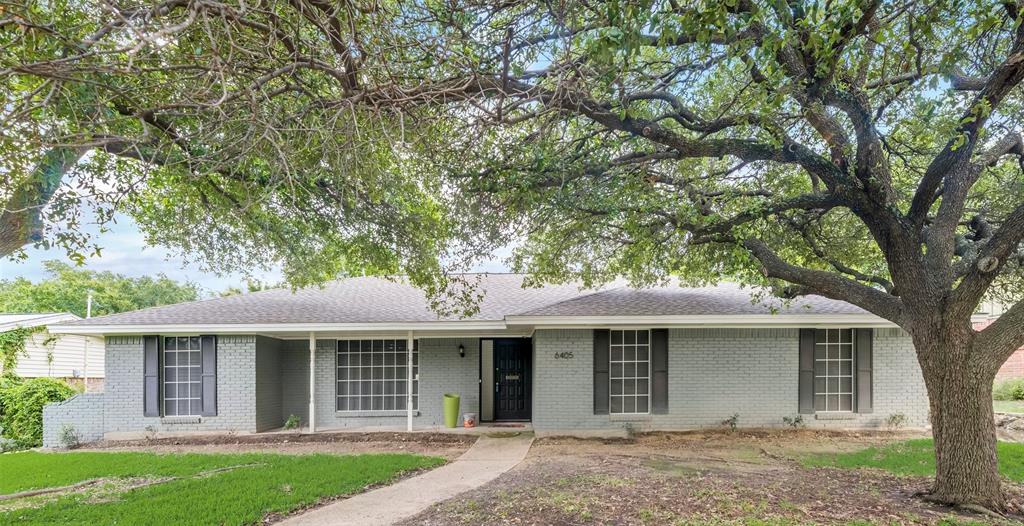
895 421
69 436
1008 390
630 429
23 408
6 444
292 422
793 421
733 422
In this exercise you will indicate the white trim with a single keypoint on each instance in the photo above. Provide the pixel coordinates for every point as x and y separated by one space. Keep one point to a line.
512 325
39 319
705 321
312 382
247 328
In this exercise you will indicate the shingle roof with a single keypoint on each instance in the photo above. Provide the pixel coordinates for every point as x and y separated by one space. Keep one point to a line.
672 300
377 300
351 300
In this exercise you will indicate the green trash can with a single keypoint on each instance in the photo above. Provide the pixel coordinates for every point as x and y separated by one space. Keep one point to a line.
451 409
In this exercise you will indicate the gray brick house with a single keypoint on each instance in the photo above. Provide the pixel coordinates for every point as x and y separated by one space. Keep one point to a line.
564 359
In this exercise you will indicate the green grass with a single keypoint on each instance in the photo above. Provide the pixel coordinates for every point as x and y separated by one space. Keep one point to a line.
915 457
261 484
1008 406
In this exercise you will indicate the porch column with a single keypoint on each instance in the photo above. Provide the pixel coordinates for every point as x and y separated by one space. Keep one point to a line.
408 386
312 382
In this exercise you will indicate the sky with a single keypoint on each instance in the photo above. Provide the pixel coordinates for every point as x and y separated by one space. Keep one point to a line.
124 251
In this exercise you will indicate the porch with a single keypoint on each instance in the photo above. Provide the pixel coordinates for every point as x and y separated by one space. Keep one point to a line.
368 382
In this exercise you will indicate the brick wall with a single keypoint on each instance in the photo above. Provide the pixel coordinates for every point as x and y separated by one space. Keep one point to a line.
83 412
714 373
236 393
268 384
295 380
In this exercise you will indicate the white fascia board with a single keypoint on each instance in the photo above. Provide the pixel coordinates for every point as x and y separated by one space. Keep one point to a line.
269 328
44 319
739 321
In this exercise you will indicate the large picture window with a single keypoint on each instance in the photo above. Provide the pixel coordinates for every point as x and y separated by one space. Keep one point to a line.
629 371
372 375
833 370
182 376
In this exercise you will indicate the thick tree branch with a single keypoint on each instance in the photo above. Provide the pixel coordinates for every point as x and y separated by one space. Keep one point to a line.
827 284
1004 336
991 258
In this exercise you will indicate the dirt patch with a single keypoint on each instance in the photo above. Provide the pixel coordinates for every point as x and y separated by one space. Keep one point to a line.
695 478
448 446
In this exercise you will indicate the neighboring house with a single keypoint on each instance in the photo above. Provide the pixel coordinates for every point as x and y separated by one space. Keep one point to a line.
76 358
987 313
562 359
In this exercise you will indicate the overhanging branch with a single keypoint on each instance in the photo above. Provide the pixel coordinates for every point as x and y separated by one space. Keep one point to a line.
827 284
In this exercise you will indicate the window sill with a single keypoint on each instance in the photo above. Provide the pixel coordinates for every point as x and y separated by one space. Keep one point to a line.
630 418
372 414
835 416
172 420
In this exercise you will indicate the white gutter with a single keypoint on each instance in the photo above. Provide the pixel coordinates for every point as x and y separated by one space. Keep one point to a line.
705 321
510 323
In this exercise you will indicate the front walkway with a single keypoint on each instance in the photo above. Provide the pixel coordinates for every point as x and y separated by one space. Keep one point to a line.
489 457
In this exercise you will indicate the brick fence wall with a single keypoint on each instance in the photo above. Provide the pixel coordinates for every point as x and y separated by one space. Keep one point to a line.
83 413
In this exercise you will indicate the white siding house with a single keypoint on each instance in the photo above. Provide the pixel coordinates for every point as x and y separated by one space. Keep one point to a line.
74 357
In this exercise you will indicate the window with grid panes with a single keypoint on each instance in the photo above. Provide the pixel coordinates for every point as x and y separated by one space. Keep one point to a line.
629 371
372 375
833 370
183 375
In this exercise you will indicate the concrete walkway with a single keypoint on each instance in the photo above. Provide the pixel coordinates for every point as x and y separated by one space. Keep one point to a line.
483 462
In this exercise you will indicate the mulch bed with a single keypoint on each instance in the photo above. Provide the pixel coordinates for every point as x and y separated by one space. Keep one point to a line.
288 438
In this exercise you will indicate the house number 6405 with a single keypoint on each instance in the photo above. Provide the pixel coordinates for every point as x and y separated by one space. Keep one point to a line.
564 355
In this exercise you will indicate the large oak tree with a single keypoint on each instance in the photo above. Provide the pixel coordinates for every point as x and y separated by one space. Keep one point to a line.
868 151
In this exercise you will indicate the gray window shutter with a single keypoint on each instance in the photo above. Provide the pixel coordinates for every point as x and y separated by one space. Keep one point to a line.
602 341
151 376
659 371
806 387
864 340
208 344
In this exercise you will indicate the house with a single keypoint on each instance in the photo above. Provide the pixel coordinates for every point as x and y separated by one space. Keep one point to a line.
988 312
75 358
367 353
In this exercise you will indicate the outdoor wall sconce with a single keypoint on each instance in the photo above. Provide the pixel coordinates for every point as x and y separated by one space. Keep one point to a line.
462 351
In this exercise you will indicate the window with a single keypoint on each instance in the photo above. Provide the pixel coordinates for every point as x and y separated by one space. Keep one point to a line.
372 375
183 373
629 374
833 370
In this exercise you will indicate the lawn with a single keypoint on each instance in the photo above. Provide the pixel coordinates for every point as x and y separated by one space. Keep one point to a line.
147 488
915 457
1008 406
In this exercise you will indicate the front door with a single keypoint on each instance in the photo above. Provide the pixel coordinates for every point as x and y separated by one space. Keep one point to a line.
512 379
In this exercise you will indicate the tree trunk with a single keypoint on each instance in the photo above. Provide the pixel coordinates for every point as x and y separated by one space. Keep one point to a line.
960 395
